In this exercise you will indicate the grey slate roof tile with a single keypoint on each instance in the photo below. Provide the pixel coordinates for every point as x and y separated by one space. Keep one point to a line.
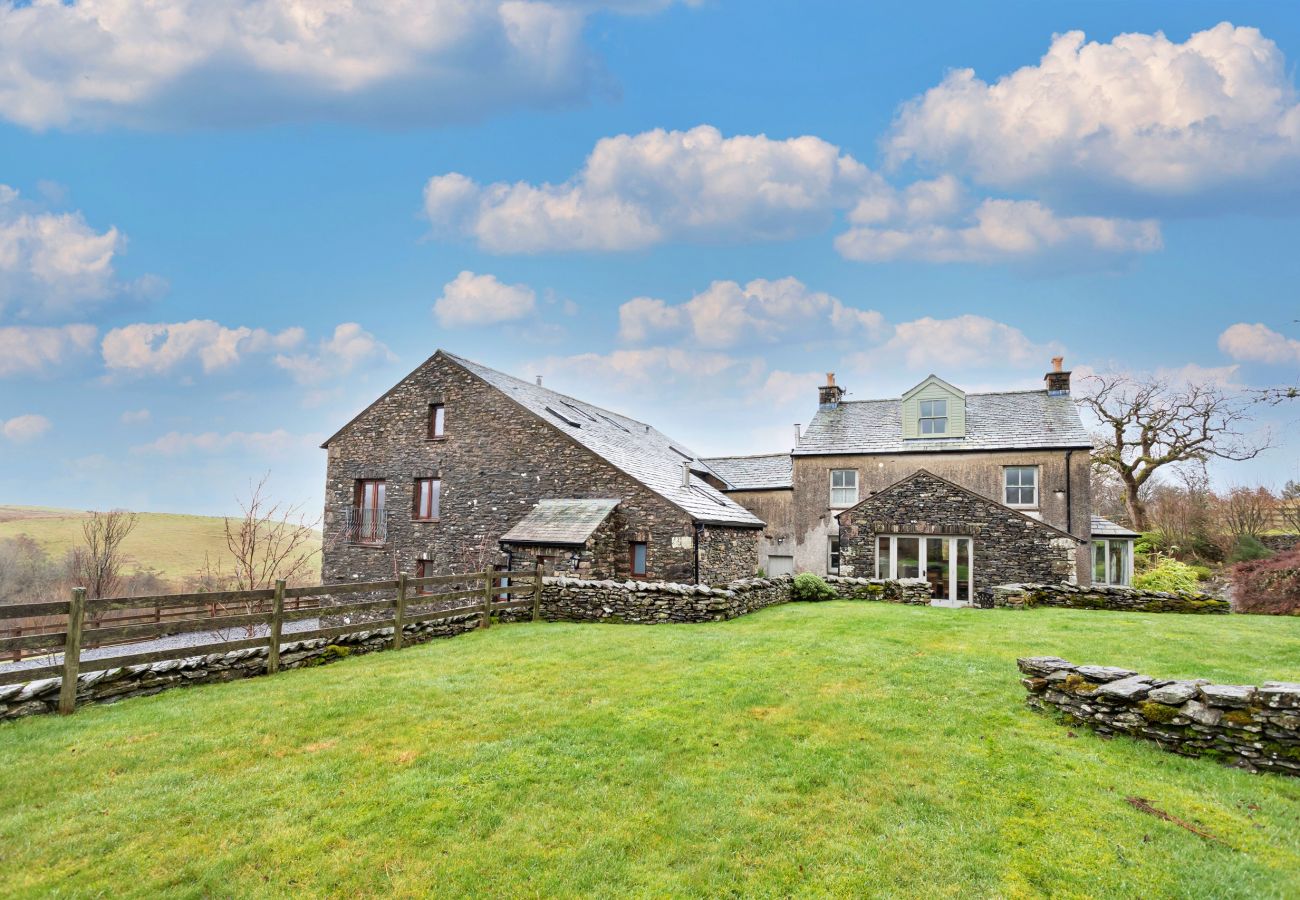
1017 420
644 453
1106 528
751 473
560 522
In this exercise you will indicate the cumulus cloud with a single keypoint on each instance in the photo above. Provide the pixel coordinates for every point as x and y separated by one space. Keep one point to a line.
32 349
24 428
159 348
726 314
175 63
636 191
54 265
1157 117
1001 231
963 341
177 443
1259 343
351 348
471 299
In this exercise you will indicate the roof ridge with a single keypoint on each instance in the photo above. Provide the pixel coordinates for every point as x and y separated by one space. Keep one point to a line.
747 456
899 399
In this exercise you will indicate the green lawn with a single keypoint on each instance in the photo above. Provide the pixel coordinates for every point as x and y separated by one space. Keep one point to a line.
173 545
841 749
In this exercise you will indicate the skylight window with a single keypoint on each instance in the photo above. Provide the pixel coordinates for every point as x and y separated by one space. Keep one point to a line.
562 417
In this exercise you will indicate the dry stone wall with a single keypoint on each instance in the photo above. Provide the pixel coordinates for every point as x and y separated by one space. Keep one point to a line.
653 602
912 591
1254 728
1123 599
112 685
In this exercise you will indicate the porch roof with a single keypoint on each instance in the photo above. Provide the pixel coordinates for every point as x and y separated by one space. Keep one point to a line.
560 523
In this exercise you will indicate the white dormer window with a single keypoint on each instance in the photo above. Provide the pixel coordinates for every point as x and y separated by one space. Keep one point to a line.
934 417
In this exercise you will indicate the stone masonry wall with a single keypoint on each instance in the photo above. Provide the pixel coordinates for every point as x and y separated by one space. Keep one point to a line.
495 461
1123 599
112 685
912 591
727 554
1008 546
1254 728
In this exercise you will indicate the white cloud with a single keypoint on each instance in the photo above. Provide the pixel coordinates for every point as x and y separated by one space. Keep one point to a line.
214 62
1143 112
30 349
726 314
24 428
471 299
156 349
963 341
1002 231
1259 343
636 191
54 264
135 417
351 348
177 443
782 388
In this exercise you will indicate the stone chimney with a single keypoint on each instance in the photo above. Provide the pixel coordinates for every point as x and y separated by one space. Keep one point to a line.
1058 380
828 396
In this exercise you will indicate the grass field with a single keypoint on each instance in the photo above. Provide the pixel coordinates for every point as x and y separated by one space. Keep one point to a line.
840 749
173 545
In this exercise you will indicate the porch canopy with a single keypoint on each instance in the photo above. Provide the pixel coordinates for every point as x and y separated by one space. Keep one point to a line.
560 523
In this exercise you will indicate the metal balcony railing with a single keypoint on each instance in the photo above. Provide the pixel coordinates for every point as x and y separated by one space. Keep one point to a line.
365 525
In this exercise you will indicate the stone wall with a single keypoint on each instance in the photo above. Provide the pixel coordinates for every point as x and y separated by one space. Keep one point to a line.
1008 546
1255 728
727 554
654 602
912 591
1123 599
111 685
1280 543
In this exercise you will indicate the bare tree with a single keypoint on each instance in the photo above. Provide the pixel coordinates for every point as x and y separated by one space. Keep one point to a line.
97 564
270 541
1246 511
1148 424
1180 512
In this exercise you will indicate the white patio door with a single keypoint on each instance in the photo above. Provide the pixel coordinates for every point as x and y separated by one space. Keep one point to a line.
945 561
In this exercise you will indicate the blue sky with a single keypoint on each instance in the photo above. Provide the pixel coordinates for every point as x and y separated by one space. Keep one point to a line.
210 258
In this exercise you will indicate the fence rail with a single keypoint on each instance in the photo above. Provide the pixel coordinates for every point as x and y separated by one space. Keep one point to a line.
490 591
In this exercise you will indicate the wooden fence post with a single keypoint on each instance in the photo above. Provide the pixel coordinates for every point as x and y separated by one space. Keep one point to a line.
399 612
277 627
72 652
537 593
487 599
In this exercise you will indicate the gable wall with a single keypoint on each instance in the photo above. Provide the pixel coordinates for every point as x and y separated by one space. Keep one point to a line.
814 520
495 463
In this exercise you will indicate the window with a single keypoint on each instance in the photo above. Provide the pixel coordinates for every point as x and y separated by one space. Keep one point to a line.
844 488
428 492
1021 486
437 421
934 417
942 560
833 555
638 559
1111 561
367 523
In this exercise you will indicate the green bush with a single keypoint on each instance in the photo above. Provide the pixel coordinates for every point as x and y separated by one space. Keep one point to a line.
1249 549
1203 573
810 588
1167 575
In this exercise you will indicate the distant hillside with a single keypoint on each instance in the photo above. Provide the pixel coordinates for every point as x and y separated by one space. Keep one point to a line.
173 545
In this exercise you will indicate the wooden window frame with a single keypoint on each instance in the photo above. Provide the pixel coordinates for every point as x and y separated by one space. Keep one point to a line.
436 424
416 497
1037 486
833 554
934 417
631 559
856 489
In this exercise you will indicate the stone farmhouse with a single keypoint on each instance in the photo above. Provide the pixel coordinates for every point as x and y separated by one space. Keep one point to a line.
459 467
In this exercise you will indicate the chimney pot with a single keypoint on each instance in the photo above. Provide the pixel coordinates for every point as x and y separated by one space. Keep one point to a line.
686 474
1057 362
830 379
796 434
539 380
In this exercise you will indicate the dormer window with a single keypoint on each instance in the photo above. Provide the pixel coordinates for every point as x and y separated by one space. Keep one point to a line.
934 417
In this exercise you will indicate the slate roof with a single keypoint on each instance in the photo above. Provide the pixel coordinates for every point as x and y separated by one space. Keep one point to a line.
1015 420
754 473
643 452
560 522
1106 528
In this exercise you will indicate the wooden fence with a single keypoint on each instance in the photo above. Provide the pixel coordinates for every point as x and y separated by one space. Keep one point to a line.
483 592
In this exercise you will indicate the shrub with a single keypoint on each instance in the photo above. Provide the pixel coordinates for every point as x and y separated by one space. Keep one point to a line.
1269 586
1249 549
1203 573
1168 575
811 588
